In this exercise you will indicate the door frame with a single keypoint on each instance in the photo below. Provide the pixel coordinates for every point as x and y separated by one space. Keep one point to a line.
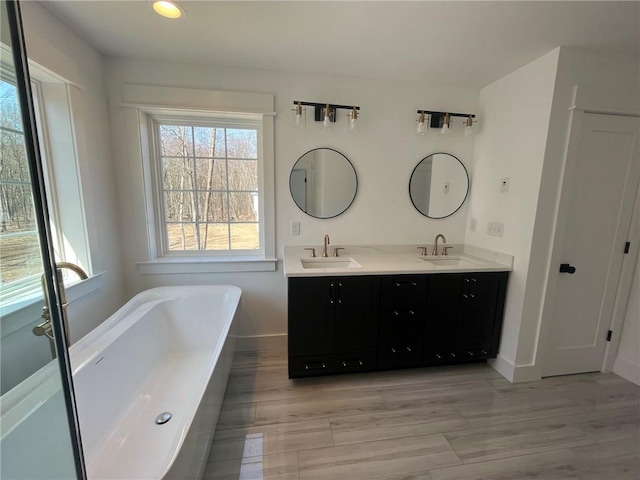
600 101
52 289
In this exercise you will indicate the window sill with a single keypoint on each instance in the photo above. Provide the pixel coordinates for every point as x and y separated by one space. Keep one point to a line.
13 319
168 265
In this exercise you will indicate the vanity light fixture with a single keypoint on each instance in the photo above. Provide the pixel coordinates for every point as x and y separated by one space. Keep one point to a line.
468 126
441 120
299 115
445 124
353 119
420 124
325 113
168 9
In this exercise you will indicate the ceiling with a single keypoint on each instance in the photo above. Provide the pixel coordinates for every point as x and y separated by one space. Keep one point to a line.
468 44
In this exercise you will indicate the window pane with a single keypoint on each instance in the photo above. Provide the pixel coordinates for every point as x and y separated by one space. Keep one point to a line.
211 174
179 206
243 207
182 236
9 109
19 256
176 141
215 236
209 141
242 143
245 236
177 173
19 245
212 206
243 175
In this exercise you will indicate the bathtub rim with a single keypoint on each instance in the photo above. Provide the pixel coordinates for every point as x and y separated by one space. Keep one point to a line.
85 350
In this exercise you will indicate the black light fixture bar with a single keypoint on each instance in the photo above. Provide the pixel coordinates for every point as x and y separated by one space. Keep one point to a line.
332 109
438 117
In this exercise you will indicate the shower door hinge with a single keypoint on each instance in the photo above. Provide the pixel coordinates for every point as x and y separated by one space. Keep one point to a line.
609 333
626 247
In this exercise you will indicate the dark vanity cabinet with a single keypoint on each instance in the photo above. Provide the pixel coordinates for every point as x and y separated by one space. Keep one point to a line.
333 324
362 323
463 317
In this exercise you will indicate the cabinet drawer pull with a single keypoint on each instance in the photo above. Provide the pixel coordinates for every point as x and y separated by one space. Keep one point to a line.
402 284
464 295
471 295
393 350
453 355
472 353
353 363
315 367
408 349
408 312
438 356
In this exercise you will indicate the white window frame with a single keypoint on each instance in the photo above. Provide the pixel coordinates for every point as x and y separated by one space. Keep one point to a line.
220 121
24 292
140 104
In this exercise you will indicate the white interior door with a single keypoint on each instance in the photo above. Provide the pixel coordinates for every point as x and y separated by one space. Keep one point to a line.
593 223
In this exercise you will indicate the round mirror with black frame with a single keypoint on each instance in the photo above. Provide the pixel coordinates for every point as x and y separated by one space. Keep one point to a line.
323 183
439 185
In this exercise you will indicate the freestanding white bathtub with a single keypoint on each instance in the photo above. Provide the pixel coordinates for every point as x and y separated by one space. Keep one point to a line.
169 349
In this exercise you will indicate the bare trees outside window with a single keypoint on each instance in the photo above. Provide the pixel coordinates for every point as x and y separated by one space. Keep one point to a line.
19 245
209 187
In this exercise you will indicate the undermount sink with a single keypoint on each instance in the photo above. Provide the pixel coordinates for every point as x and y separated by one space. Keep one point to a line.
329 263
451 262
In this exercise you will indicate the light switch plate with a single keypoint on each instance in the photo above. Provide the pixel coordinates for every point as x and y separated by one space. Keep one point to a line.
504 185
295 227
473 224
495 229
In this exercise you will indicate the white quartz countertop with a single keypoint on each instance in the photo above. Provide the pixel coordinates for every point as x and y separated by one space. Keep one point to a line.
391 259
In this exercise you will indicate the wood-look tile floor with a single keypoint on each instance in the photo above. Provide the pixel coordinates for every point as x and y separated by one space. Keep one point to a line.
445 423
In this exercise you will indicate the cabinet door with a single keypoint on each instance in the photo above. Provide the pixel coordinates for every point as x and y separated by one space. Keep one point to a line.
480 324
356 313
311 314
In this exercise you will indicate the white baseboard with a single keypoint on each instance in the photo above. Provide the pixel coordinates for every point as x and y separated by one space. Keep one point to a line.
627 370
261 342
514 373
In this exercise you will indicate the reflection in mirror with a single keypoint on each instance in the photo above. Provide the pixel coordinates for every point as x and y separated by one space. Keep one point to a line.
439 185
323 183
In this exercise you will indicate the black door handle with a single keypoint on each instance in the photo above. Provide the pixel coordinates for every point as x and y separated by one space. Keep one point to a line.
566 268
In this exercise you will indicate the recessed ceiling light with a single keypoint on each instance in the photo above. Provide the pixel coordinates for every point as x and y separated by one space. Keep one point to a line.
168 9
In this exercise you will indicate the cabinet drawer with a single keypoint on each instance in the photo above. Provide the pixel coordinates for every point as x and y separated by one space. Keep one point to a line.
402 283
441 357
331 364
311 366
356 362
400 350
401 313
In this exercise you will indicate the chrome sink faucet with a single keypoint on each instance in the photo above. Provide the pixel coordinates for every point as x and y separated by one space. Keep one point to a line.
324 249
435 243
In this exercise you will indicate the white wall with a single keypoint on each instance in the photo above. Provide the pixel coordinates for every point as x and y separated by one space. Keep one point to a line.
513 125
383 151
55 47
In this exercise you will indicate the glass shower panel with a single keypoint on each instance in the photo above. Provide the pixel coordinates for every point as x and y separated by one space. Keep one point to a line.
37 438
